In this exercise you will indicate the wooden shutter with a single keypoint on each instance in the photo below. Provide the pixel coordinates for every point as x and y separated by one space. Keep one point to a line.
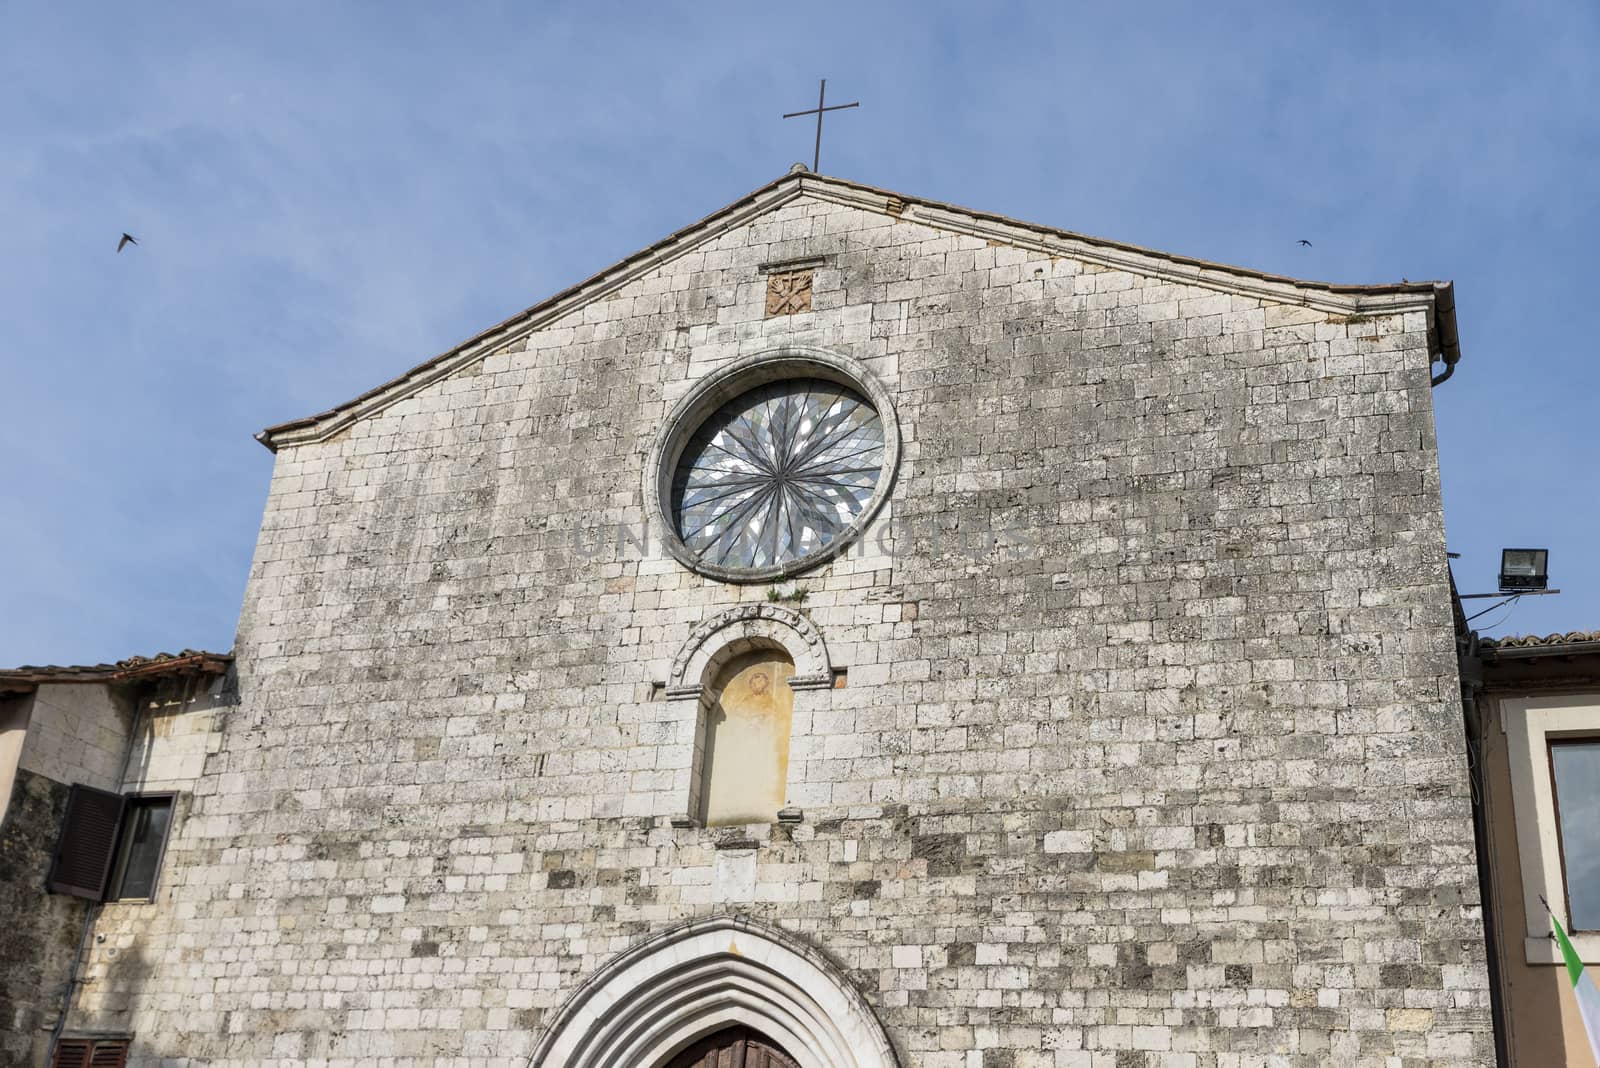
109 1054
71 1053
87 844
90 1053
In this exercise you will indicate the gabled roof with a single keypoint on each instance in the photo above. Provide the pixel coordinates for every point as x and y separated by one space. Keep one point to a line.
1435 297
189 662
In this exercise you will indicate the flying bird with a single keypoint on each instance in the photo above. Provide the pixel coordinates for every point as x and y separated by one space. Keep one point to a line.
1304 242
127 239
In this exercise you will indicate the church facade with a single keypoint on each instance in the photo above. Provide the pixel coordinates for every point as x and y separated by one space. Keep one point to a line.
855 632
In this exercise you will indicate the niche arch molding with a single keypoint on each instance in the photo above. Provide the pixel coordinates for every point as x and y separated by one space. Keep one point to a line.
656 998
740 630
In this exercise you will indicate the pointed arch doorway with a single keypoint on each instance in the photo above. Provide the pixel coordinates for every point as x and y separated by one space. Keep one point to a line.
735 1047
726 976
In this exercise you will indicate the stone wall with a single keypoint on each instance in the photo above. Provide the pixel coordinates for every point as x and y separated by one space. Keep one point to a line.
1150 752
59 734
39 932
177 728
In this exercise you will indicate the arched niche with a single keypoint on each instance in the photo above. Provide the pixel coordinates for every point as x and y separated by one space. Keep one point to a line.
741 765
657 998
703 664
740 630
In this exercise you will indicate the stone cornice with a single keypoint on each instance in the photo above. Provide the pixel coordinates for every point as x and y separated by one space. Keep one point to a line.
1336 299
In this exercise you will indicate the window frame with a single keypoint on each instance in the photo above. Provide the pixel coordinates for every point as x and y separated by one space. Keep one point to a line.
118 869
1551 740
1530 724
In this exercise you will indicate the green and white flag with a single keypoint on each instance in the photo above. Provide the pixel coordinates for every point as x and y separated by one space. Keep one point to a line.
1583 986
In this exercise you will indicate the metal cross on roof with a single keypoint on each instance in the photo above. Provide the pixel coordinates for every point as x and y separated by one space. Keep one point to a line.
822 97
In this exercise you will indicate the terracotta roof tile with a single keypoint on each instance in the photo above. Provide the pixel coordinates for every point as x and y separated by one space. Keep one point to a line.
196 660
1534 641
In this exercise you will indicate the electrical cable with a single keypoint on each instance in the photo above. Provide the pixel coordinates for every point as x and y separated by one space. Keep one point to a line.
1499 622
1491 608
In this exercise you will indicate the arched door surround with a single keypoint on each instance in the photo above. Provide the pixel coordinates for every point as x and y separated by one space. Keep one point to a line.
655 1000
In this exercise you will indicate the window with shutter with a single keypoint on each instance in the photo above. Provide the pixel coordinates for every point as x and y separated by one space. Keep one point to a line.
88 843
90 1053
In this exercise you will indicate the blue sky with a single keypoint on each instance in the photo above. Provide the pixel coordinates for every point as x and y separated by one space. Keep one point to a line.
327 194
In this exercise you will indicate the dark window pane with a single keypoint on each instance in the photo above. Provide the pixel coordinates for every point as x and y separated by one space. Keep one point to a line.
1576 766
144 833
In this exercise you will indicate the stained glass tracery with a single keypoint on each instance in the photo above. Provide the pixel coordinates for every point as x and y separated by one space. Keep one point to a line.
777 474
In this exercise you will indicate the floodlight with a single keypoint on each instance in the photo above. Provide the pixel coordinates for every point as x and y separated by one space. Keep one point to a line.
1524 569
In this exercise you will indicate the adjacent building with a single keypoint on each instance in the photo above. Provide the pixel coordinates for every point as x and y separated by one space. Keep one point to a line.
1533 718
122 746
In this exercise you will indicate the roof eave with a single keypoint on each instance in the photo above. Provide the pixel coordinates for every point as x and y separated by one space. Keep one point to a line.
26 680
1532 652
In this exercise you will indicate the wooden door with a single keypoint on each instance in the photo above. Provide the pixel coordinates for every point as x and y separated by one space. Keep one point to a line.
736 1047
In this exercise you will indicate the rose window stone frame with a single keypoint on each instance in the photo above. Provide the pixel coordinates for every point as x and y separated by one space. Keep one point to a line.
730 382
